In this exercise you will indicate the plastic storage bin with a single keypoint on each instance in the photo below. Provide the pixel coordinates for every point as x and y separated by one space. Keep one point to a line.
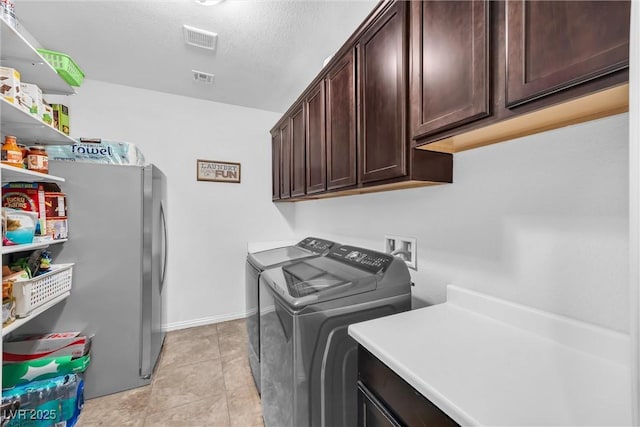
31 294
64 65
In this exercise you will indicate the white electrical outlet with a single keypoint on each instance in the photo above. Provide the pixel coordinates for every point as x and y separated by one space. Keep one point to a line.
403 247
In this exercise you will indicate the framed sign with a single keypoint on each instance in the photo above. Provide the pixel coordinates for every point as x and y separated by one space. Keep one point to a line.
213 170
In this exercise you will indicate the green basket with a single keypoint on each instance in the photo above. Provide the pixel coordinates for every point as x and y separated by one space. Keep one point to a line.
64 65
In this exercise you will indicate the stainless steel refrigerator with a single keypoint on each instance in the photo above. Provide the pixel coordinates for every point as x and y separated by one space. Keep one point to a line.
117 239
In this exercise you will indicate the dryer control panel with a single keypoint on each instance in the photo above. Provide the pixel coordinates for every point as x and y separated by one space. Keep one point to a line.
316 245
364 259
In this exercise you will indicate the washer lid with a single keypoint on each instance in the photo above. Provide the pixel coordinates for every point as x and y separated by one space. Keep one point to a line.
274 257
306 248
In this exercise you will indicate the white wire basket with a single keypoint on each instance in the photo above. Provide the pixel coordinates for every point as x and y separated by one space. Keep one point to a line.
31 294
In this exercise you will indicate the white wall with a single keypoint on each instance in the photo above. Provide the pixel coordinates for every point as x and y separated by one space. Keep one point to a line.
209 223
542 221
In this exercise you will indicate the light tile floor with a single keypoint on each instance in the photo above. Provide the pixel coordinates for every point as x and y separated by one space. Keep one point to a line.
202 380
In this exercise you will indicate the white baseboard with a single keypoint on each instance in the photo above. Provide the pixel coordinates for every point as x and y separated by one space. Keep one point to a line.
203 321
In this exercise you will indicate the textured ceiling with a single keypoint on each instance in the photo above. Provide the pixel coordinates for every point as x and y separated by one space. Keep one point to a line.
267 51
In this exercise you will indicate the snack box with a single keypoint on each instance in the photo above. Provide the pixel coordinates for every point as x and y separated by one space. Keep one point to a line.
47 113
57 229
56 206
36 95
45 346
24 101
26 196
9 84
29 196
61 118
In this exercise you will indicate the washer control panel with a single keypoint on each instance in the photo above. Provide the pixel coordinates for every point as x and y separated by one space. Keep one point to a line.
316 245
363 259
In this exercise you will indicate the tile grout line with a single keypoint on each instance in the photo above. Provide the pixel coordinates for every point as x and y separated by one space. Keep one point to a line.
226 394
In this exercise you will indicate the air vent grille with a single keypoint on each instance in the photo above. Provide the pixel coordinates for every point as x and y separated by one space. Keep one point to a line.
202 77
200 38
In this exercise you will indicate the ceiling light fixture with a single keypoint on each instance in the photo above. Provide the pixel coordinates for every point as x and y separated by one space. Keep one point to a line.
208 2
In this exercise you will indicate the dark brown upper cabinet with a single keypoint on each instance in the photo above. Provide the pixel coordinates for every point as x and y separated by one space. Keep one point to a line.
275 166
285 160
382 58
554 45
316 142
298 152
341 123
449 75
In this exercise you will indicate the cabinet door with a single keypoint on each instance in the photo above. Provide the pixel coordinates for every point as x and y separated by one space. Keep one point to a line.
449 76
285 160
395 396
275 166
553 45
315 126
341 123
298 150
382 53
371 412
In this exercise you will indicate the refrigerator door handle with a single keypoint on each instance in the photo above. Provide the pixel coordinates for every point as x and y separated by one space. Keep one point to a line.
164 246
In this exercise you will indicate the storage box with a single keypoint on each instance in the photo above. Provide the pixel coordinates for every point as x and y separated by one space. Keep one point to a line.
64 65
25 102
36 95
58 229
47 113
56 204
61 118
26 196
31 294
9 84
48 345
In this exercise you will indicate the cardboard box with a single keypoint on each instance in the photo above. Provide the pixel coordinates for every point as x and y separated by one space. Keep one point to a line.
61 118
57 228
30 196
47 113
50 345
36 95
26 196
55 204
9 84
24 101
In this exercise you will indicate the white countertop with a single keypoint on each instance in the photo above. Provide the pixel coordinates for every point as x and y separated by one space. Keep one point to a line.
485 361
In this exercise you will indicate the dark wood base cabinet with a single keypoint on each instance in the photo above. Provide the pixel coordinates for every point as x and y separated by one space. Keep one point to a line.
385 399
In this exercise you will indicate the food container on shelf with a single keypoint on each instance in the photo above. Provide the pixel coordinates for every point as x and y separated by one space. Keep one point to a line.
37 159
21 226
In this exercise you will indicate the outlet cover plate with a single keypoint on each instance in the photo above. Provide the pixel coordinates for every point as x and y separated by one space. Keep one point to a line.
404 247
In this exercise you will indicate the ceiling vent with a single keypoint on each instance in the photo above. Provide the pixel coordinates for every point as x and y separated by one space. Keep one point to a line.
202 77
200 38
